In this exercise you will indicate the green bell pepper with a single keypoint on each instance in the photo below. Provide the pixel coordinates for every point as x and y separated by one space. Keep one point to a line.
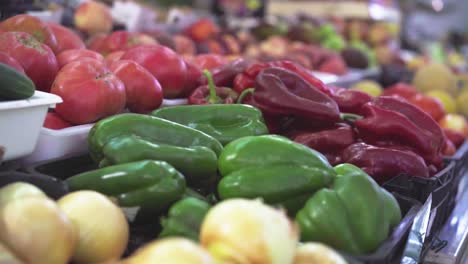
149 183
185 218
149 128
273 168
261 151
355 215
225 122
198 164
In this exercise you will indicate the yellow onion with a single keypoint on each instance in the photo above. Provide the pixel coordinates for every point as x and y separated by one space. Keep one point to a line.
171 251
18 190
240 231
102 228
317 253
37 231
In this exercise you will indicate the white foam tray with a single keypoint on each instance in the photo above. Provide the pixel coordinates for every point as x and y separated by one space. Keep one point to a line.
21 122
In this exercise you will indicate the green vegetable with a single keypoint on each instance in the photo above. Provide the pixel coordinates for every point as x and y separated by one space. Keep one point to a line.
150 184
223 122
185 218
355 215
14 85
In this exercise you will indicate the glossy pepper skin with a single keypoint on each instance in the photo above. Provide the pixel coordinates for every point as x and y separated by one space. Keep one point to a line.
198 163
225 123
385 163
148 183
253 70
184 219
225 75
392 119
354 216
149 128
329 142
273 168
211 94
282 92
350 101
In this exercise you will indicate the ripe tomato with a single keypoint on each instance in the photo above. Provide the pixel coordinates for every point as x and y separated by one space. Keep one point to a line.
66 39
96 42
404 90
193 75
429 105
54 121
90 91
10 61
37 59
77 54
165 65
144 92
114 56
210 61
32 25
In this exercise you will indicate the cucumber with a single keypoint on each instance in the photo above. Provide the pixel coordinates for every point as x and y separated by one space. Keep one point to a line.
14 85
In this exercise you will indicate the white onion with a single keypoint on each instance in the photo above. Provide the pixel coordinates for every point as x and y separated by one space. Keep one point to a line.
171 251
317 253
240 231
102 228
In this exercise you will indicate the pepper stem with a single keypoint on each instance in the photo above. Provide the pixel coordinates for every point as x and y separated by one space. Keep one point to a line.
244 94
213 97
350 117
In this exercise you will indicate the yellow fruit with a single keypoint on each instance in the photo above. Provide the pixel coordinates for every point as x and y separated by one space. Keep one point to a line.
462 103
446 99
370 87
101 226
18 190
37 231
435 77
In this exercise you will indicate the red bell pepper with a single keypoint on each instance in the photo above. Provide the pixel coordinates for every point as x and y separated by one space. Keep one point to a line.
225 75
210 94
350 101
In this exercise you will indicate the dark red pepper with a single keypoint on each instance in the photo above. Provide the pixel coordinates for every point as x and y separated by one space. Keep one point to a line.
350 101
225 75
210 94
329 142
282 92
456 137
391 119
256 68
243 82
384 163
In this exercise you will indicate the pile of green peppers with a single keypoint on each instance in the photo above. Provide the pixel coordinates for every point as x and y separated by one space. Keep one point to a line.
157 161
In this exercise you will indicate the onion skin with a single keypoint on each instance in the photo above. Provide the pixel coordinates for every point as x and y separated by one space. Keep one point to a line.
102 228
240 231
311 253
37 231
171 251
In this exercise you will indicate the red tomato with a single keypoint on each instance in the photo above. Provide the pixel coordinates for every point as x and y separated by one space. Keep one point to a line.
96 42
430 105
37 59
114 56
193 74
32 25
449 149
54 121
184 45
122 40
404 90
77 54
144 92
210 61
10 61
202 30
66 39
456 137
165 65
90 91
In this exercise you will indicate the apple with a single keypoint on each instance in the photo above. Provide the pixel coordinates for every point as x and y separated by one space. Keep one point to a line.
32 25
66 38
37 59
93 17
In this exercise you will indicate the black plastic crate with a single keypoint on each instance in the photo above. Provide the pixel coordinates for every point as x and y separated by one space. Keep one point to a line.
419 188
461 162
54 188
391 250
63 168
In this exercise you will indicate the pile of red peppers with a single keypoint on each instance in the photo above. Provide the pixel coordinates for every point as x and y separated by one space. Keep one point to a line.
385 136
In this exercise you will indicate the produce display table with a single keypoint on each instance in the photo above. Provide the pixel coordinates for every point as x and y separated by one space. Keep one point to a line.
454 233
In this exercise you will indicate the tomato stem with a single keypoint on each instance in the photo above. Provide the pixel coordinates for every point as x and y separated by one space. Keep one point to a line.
244 94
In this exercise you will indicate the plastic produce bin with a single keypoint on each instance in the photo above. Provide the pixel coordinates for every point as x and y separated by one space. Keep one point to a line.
21 122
